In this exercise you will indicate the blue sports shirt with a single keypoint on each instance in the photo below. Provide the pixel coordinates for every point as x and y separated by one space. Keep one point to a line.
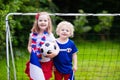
63 61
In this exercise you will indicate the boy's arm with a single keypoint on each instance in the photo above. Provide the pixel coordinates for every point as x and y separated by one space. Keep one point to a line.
74 57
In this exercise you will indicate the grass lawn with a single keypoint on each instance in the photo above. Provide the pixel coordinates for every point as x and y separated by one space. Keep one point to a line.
96 61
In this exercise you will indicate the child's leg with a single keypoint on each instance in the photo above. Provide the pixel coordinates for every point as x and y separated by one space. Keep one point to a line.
66 76
47 69
58 75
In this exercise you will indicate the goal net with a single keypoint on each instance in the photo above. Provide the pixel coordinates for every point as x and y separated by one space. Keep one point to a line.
96 36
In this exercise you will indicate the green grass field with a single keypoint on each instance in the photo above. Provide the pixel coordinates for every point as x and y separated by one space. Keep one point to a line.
96 61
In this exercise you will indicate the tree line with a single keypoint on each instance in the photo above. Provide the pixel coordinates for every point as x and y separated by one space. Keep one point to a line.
21 25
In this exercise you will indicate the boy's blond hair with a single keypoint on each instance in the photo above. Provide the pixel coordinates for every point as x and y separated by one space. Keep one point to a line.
67 24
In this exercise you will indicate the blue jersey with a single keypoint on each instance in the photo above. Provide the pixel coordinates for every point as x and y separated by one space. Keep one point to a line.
63 61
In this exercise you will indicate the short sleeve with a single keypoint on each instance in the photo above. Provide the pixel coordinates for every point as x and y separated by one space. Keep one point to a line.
50 37
74 48
30 35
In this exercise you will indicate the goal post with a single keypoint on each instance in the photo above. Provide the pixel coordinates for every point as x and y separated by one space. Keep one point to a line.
9 50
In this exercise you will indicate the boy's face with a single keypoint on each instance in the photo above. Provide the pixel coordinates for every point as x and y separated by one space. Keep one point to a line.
43 22
64 32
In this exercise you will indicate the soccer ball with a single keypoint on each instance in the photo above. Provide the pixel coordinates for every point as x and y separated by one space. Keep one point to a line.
47 48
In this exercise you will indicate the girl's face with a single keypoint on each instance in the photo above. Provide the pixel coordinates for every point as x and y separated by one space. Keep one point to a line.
43 22
64 32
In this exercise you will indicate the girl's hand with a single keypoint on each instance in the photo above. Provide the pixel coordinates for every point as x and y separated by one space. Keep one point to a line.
51 54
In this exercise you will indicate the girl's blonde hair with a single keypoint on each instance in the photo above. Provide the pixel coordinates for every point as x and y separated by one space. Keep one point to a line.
35 27
66 24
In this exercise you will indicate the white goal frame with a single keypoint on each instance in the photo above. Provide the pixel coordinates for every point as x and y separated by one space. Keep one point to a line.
8 36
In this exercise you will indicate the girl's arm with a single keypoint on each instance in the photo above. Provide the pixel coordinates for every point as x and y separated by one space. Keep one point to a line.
29 45
74 57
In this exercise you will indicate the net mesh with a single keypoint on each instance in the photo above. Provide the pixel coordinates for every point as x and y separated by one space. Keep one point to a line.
98 55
